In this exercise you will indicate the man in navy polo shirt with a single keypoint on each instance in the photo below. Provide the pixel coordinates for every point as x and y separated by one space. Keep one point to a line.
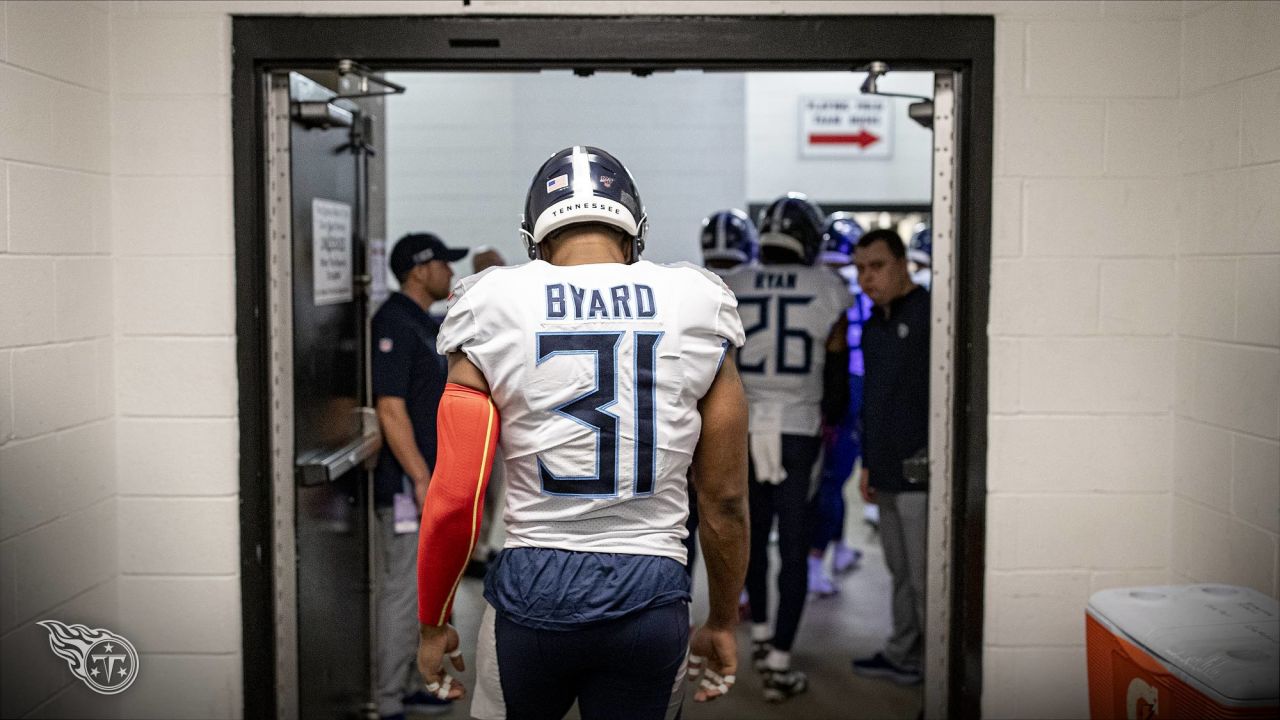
408 380
895 421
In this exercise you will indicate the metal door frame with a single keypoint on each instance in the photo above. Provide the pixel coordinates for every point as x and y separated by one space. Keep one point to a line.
279 320
280 97
960 45
943 221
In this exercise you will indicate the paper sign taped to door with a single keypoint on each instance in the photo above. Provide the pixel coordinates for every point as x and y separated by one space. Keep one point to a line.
331 253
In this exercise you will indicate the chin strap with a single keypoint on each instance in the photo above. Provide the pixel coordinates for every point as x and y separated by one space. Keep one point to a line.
467 438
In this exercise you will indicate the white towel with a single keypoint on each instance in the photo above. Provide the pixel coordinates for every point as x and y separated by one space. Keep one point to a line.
766 455
764 440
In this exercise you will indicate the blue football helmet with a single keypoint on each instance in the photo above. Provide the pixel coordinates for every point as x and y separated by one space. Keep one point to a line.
793 222
730 235
920 249
582 184
839 237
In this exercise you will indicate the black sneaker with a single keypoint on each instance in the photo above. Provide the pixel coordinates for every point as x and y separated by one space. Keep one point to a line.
759 651
780 685
878 666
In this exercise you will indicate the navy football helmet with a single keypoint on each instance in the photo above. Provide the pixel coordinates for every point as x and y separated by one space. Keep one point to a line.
582 184
920 249
839 237
729 235
793 222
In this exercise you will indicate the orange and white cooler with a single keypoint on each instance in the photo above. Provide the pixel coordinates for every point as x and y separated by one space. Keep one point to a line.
1183 651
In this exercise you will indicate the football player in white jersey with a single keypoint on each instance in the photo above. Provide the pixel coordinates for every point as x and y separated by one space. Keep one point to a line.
794 366
603 378
729 243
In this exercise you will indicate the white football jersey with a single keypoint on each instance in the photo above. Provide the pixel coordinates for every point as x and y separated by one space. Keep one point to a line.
596 371
788 312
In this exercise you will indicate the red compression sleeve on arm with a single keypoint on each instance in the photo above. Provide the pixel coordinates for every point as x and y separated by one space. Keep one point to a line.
467 437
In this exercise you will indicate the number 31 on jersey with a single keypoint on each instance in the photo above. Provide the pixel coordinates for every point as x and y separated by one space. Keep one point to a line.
591 410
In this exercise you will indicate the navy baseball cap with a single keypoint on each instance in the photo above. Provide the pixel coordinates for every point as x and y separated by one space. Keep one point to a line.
417 248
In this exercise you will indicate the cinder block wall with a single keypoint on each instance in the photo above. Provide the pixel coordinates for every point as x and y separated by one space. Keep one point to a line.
57 427
1082 321
1226 460
1108 216
176 382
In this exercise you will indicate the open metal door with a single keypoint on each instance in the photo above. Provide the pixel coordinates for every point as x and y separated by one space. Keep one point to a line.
322 430
938 589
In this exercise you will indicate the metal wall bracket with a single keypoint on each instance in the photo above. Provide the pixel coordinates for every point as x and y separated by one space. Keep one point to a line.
321 114
366 76
921 112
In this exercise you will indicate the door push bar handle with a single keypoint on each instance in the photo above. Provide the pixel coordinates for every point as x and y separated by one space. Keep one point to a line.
319 469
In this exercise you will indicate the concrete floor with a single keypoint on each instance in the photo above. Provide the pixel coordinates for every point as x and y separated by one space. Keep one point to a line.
854 623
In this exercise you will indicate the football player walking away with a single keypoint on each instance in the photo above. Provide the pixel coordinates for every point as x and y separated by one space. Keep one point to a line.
794 366
841 442
729 243
603 378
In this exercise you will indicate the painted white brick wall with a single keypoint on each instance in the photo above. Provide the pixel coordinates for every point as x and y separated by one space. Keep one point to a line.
177 443
58 510
1226 506
1082 322
1104 197
435 183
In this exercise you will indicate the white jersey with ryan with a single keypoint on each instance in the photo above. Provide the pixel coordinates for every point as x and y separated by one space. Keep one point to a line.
787 312
596 371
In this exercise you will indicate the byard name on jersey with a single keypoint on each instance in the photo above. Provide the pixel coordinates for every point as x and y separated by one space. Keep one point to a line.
569 302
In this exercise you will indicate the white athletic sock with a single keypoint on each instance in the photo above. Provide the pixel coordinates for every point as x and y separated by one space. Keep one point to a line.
778 660
760 632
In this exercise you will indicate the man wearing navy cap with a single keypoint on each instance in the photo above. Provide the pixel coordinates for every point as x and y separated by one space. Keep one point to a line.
408 380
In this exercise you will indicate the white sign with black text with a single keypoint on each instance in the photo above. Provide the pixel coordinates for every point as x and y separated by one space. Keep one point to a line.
331 251
847 126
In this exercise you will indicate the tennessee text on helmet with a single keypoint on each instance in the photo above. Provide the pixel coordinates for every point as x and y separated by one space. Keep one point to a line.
839 237
793 222
730 235
582 184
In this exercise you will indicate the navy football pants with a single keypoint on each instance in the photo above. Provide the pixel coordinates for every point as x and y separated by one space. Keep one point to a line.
789 502
622 669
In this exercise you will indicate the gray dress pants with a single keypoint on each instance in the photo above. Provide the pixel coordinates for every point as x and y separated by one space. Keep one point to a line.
397 608
904 526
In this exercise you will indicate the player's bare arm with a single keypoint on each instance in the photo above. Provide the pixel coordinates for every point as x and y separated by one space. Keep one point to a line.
463 372
720 464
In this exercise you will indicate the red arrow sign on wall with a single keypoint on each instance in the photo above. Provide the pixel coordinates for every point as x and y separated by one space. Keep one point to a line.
862 139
